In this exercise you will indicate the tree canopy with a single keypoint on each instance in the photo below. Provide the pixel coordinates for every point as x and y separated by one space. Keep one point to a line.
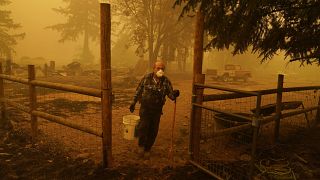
266 27
7 25
82 20
152 23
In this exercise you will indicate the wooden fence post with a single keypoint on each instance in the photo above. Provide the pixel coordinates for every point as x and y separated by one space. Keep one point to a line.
32 100
52 66
196 116
278 108
198 45
256 126
8 70
198 77
3 119
45 70
318 112
106 100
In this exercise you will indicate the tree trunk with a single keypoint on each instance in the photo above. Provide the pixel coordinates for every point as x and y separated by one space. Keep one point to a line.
151 35
164 53
86 56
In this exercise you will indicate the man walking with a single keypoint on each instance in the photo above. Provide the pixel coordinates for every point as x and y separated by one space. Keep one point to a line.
151 93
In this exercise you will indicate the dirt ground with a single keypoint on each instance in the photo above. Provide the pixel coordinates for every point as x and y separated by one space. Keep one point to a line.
23 159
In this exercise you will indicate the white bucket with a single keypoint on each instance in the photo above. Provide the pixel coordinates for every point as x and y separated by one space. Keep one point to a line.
130 122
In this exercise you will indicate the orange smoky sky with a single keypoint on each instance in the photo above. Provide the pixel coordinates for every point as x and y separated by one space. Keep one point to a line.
34 16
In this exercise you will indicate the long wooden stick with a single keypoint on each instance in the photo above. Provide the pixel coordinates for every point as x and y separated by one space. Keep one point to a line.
172 131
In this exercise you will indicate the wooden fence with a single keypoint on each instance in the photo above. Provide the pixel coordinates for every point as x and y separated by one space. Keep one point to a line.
105 93
254 122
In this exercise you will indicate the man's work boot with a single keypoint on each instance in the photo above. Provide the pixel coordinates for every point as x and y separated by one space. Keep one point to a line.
147 155
140 152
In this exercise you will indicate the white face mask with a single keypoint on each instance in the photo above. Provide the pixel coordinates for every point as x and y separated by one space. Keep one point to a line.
160 73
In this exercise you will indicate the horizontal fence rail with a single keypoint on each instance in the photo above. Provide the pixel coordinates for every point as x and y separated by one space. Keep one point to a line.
58 86
70 88
252 93
64 122
52 118
235 95
14 79
223 112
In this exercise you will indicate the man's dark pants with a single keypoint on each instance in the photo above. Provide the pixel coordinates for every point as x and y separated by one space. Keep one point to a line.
148 126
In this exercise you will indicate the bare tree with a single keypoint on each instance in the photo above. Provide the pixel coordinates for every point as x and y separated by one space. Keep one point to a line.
151 22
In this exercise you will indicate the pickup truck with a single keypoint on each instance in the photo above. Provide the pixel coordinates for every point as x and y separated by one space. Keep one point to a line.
231 72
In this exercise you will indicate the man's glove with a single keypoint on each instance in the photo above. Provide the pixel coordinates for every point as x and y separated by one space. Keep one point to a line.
176 93
132 107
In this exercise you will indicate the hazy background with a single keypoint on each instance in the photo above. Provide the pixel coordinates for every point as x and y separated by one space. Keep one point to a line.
35 15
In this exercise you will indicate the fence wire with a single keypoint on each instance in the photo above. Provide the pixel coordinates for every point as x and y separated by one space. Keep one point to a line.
305 99
226 155
17 93
272 160
80 109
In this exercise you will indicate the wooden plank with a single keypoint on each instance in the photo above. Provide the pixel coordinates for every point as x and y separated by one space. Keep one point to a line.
227 89
231 130
33 100
301 111
45 70
198 77
52 66
306 116
256 126
195 130
223 112
3 104
52 118
318 112
14 79
8 69
278 108
66 122
198 45
106 99
267 120
69 88
218 97
301 88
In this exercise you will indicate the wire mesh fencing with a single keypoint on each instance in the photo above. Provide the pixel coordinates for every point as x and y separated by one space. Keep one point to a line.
226 133
68 116
227 155
82 110
297 115
239 130
18 93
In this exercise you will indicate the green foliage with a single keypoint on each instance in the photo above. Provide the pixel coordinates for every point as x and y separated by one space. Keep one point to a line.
82 19
266 26
7 39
